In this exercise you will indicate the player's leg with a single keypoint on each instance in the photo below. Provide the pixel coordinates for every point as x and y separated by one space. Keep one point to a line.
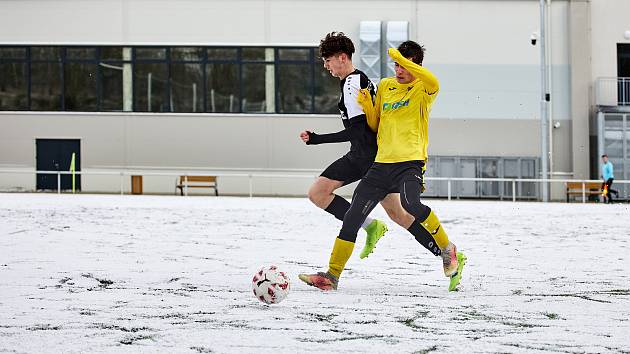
409 177
611 191
366 197
321 193
400 216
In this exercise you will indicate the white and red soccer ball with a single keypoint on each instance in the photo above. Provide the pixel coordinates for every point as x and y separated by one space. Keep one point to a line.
270 285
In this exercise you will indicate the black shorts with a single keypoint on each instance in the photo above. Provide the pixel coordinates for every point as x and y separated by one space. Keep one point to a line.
385 178
347 169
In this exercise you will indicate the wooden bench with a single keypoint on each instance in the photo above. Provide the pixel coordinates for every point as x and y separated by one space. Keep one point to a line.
590 188
197 182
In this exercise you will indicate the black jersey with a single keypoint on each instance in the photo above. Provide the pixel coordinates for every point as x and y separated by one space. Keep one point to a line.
362 139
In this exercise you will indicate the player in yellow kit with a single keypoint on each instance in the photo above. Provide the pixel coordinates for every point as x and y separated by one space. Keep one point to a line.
400 115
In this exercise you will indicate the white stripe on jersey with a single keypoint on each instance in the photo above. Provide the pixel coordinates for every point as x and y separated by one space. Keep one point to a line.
350 93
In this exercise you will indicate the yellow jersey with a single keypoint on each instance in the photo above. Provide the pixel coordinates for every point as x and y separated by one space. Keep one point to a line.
400 113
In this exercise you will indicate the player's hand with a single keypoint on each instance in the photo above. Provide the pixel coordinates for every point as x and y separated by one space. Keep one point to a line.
305 136
364 98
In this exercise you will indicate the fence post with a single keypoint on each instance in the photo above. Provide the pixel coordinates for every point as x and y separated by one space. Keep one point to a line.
58 182
186 184
449 189
583 192
514 190
122 175
250 186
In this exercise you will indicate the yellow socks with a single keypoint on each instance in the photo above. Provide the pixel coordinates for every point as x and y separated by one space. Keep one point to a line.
342 250
432 224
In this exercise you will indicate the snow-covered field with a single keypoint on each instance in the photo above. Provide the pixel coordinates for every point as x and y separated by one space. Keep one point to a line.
94 273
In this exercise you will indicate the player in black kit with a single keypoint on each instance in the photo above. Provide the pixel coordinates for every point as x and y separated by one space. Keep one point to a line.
336 51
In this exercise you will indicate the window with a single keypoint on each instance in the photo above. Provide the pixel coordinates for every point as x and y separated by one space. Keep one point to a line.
13 85
295 81
115 80
79 73
257 80
46 86
187 79
222 80
166 79
482 167
150 81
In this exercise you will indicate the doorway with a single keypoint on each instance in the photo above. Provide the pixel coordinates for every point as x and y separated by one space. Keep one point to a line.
623 74
56 155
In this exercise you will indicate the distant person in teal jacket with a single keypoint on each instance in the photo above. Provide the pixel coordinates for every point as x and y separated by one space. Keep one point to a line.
609 177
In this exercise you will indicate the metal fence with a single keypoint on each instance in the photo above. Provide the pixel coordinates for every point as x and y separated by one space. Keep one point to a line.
251 175
612 91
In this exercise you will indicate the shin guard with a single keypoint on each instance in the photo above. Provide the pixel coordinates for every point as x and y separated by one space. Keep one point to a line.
432 224
342 250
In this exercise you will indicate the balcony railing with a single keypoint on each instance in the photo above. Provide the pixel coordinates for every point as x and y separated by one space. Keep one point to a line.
612 91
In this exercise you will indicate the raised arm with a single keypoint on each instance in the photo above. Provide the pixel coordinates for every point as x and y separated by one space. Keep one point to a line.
372 113
429 80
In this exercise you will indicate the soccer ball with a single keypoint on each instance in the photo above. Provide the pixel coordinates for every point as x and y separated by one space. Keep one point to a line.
270 285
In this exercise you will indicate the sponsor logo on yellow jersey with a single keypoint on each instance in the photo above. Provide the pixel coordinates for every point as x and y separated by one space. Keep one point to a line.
395 105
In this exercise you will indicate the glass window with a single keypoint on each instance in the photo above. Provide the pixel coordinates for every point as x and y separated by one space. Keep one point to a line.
222 88
254 89
111 53
510 170
613 136
149 87
80 87
447 168
187 53
222 53
187 87
81 53
12 53
326 91
13 86
46 53
151 53
294 88
253 54
528 170
489 169
294 54
111 87
468 168
165 79
46 86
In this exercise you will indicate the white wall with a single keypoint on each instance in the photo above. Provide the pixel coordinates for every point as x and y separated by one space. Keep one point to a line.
480 51
609 20
206 141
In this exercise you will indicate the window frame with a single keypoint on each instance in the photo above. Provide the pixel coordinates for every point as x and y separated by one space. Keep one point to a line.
64 60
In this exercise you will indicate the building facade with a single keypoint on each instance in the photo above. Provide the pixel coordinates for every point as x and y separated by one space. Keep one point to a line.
228 85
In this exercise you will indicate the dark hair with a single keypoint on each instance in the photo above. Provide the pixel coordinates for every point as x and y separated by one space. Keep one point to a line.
412 50
604 155
335 43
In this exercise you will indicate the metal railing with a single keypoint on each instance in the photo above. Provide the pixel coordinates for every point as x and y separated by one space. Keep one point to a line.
612 91
289 173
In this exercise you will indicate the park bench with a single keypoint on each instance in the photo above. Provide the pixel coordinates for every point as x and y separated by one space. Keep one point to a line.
197 182
586 188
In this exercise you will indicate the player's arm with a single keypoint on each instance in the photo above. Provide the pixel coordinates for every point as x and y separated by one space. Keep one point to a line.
338 137
356 117
430 82
372 113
